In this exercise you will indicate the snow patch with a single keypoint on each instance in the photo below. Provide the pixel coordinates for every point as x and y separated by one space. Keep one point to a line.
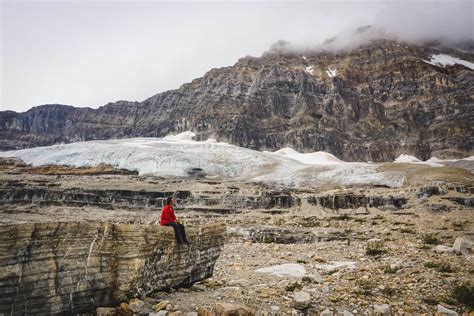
291 269
309 69
442 60
407 158
188 135
331 72
432 162
315 158
175 155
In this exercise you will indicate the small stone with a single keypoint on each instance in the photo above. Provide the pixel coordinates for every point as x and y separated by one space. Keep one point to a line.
105 311
228 309
169 307
446 311
161 305
382 309
191 314
301 300
346 313
274 308
326 312
462 246
444 249
136 305
198 287
162 313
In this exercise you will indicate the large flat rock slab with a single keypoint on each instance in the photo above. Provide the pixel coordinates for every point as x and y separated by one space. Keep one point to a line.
73 267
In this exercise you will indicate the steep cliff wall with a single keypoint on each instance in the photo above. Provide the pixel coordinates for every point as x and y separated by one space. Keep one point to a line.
372 102
73 267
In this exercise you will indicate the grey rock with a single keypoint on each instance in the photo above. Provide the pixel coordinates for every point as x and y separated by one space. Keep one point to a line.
326 312
462 246
443 249
381 309
301 300
446 311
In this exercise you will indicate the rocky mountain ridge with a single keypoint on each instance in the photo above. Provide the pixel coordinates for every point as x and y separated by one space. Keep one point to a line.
373 102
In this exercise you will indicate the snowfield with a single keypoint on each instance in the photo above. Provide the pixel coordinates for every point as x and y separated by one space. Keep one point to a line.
442 60
179 155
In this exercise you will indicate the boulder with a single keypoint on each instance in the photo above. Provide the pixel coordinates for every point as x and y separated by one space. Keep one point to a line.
443 249
462 246
301 300
108 263
326 312
446 311
381 309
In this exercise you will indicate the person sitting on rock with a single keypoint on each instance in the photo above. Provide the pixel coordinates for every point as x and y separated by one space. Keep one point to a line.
169 219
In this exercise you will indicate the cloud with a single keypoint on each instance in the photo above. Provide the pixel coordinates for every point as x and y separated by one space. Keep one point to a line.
428 20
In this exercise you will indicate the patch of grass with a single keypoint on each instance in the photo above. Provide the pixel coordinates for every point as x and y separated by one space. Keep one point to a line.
406 230
293 286
378 217
389 291
389 270
431 239
430 300
360 220
458 226
343 217
374 248
301 261
374 223
439 266
464 294
366 286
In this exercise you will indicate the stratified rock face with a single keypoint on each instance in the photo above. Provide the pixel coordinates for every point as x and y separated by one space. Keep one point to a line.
373 103
73 267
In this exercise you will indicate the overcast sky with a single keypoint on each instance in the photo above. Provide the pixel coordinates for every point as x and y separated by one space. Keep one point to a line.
89 53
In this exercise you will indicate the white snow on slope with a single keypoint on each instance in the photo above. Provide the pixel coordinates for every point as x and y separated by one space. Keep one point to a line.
432 162
174 156
309 69
442 60
188 135
331 72
316 158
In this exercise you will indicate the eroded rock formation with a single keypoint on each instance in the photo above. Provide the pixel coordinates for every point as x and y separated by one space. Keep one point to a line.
73 267
373 102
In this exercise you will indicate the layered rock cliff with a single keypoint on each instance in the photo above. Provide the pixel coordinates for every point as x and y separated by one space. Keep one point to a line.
372 102
72 267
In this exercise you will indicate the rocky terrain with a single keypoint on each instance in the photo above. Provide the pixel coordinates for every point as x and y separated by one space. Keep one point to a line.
369 103
300 251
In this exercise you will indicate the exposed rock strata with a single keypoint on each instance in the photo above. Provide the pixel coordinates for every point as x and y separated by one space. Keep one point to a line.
73 267
383 100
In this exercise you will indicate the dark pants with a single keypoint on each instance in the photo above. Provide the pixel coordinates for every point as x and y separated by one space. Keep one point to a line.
179 232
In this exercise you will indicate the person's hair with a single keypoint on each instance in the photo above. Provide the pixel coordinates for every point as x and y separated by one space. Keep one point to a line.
168 200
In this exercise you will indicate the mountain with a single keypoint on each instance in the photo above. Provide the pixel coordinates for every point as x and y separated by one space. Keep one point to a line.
372 102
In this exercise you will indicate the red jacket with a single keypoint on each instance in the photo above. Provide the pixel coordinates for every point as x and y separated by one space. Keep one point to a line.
167 215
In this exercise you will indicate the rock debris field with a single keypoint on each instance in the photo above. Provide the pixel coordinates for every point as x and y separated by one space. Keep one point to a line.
286 251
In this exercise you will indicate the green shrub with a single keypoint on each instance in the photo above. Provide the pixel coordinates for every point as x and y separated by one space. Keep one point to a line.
439 266
431 240
293 286
464 294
